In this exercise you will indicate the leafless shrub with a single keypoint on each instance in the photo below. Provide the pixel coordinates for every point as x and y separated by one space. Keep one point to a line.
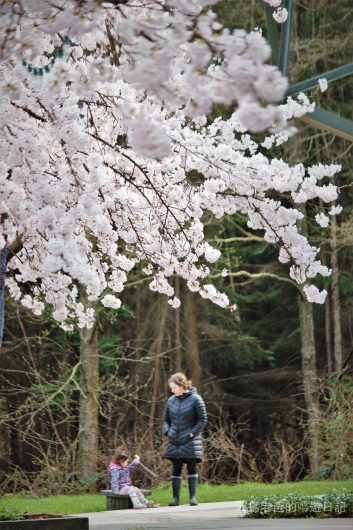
281 461
227 457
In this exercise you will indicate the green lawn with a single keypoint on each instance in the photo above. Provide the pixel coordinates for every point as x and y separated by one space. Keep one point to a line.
66 504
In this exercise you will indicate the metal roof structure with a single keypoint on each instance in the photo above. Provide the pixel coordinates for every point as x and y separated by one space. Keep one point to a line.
279 40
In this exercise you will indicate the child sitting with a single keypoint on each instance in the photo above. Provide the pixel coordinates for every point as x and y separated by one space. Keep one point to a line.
119 471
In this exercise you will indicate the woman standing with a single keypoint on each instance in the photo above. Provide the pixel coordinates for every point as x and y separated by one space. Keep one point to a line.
184 418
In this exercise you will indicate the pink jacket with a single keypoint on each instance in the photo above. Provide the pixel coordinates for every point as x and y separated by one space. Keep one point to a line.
120 475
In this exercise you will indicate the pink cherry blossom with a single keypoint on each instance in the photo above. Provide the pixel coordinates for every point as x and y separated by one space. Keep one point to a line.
97 152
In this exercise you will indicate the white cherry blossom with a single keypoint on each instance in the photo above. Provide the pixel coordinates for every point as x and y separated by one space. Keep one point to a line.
280 15
313 294
335 210
323 85
109 162
322 220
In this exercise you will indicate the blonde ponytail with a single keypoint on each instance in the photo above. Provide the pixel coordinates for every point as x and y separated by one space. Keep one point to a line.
180 379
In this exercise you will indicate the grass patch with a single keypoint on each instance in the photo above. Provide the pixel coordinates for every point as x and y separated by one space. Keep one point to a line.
8 514
75 504
60 504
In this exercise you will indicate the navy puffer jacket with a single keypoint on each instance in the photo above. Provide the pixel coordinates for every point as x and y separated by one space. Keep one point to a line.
183 415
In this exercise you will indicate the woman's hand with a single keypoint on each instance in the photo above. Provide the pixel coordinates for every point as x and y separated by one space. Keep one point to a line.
191 435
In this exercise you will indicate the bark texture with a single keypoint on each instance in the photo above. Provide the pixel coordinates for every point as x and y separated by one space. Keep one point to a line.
5 445
156 351
88 419
310 381
335 297
192 343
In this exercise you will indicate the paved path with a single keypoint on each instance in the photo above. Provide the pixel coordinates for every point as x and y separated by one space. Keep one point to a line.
208 516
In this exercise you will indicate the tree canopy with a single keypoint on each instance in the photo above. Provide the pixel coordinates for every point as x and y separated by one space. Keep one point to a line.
110 160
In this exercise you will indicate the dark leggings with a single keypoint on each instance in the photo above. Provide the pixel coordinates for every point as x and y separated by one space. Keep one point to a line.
178 466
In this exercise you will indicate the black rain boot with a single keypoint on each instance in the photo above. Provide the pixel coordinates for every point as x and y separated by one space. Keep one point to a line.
176 482
192 489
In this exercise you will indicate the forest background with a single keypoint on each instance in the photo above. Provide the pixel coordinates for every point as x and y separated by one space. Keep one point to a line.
276 375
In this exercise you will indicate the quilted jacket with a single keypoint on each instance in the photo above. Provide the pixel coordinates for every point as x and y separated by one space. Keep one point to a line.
183 415
120 475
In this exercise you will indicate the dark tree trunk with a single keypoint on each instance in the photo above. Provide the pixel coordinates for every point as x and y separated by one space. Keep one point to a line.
156 350
192 343
328 336
310 381
178 355
88 426
336 308
5 444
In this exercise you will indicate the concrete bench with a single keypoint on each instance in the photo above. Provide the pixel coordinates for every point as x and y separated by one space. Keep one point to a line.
120 502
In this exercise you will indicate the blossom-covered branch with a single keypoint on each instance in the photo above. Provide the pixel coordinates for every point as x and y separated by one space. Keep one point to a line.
98 152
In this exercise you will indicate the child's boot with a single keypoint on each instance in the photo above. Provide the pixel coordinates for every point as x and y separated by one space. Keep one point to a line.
192 489
176 481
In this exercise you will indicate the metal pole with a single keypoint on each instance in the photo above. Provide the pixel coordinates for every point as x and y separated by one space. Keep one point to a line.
285 39
272 33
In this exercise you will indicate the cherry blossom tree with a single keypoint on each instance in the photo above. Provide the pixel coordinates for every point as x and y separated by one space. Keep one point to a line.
104 127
